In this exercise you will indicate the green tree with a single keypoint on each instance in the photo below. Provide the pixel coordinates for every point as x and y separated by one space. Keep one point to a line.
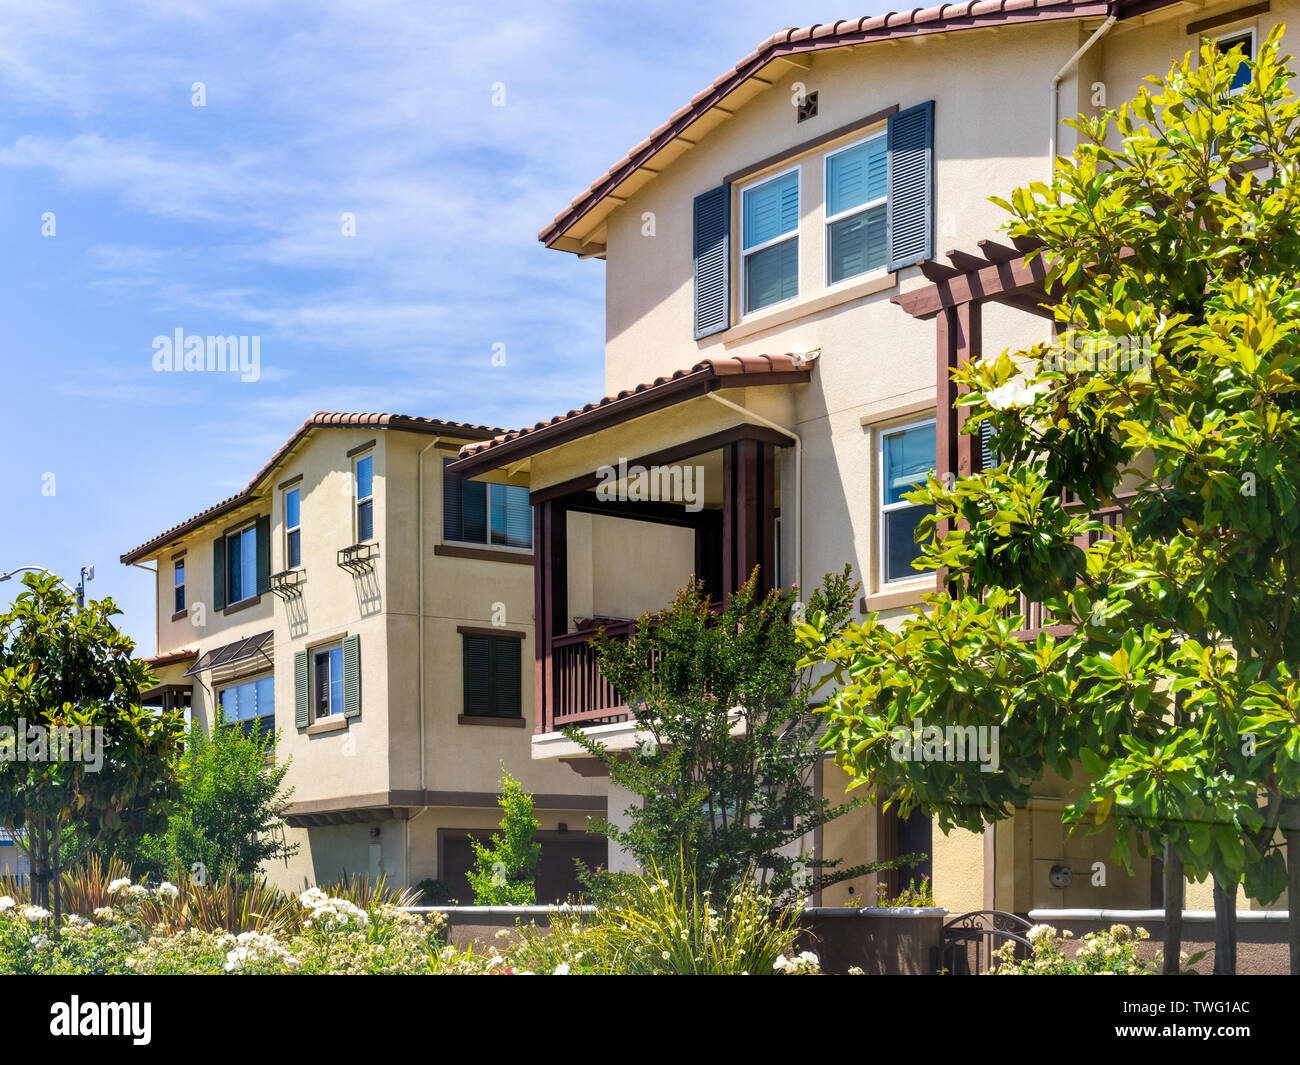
1172 232
725 769
505 869
79 757
228 816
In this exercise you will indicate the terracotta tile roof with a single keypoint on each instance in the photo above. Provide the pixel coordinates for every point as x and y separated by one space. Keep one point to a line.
320 420
738 372
168 658
892 25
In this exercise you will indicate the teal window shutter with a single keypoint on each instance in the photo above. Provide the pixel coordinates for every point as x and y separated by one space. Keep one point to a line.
263 537
910 165
219 573
301 718
712 250
352 676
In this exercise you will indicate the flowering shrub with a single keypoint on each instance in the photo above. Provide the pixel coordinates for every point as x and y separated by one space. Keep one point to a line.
805 963
1114 951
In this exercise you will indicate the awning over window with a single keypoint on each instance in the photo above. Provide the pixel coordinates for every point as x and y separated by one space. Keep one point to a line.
230 653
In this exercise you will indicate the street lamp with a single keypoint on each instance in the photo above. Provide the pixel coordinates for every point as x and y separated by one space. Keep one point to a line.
87 574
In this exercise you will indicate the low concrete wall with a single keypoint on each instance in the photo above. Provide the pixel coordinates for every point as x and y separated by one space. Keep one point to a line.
1261 934
879 941
477 927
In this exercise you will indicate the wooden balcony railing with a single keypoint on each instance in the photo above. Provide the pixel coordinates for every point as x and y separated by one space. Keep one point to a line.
580 695
1111 517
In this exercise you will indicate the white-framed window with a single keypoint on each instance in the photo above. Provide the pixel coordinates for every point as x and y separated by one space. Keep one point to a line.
241 564
907 455
292 528
327 681
855 209
363 477
250 704
769 240
1243 41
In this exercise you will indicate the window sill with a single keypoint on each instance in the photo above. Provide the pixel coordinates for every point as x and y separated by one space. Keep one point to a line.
334 723
180 615
485 554
243 604
892 596
499 722
801 309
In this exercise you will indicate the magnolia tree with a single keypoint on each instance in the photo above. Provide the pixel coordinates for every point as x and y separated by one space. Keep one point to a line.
1172 241
81 762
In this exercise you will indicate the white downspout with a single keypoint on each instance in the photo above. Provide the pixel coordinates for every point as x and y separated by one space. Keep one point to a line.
419 568
798 473
1056 84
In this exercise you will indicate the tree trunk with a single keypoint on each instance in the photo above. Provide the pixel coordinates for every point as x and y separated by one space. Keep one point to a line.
1175 891
1291 832
57 883
1225 927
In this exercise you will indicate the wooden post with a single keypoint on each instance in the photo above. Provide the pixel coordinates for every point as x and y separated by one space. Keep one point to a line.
748 514
550 601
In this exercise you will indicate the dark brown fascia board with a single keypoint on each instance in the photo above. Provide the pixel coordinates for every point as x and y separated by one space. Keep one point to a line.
354 452
708 100
416 798
655 398
811 145
690 448
1228 17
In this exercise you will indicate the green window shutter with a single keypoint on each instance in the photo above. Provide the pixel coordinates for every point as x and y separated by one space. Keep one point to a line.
219 574
509 690
712 249
477 659
352 676
301 719
263 536
909 152
452 520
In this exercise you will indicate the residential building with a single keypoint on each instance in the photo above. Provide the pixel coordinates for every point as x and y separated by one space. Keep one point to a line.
376 612
773 275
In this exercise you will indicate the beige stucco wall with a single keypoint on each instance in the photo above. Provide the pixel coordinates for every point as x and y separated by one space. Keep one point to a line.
379 751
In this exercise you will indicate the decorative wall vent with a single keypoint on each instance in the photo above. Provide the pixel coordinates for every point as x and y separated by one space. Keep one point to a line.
807 107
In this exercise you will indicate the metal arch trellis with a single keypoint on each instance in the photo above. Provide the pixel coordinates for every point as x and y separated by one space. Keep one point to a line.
980 933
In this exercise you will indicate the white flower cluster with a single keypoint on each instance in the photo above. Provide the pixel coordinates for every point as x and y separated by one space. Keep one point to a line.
325 912
114 886
6 903
35 913
167 890
253 948
804 964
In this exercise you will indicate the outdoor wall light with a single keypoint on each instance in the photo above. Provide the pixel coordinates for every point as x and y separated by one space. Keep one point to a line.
1060 876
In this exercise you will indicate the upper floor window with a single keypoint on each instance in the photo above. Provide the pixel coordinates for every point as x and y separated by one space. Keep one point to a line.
769 217
855 210
1242 41
249 704
327 682
292 530
364 479
492 675
241 563
906 459
241 553
178 580
478 513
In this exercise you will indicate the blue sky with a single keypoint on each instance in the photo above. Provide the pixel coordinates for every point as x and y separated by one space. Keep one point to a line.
226 219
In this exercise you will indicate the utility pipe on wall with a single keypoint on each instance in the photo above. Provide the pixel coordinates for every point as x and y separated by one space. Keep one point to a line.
419 569
1056 84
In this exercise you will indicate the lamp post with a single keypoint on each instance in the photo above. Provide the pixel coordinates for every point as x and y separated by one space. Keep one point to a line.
87 574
